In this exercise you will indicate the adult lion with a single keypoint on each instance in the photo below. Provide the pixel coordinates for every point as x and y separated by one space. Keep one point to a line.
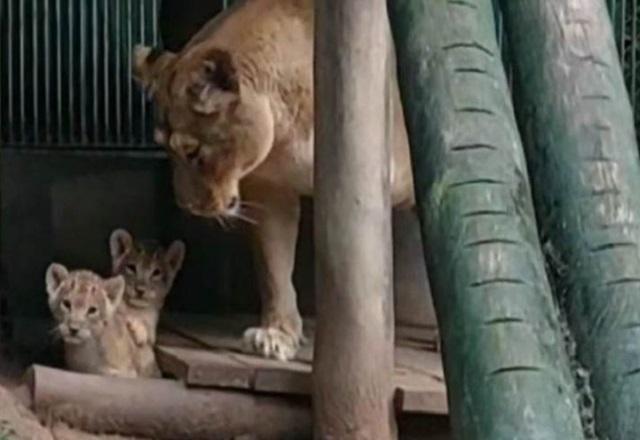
236 114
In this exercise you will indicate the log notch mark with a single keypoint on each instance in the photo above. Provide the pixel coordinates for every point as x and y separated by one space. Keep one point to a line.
489 241
623 281
502 280
481 110
469 45
464 3
476 146
516 369
612 245
479 181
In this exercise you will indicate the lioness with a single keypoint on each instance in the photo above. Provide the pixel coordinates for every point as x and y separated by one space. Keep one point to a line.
235 112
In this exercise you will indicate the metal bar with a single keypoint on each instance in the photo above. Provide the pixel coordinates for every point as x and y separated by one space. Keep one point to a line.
59 134
82 59
34 81
3 126
118 68
143 109
21 97
154 22
106 60
70 74
128 73
47 69
94 38
10 66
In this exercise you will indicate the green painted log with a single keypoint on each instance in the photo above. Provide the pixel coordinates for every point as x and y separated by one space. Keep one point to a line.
507 372
577 126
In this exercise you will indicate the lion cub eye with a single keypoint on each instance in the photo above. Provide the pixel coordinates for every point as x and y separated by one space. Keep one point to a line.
66 304
156 273
92 311
130 268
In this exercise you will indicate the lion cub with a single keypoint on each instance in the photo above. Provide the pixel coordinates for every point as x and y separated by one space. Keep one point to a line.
149 271
85 306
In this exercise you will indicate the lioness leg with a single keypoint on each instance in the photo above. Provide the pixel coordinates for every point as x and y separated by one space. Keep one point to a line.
274 236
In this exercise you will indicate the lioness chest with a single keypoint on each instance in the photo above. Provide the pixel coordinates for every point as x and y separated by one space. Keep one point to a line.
289 165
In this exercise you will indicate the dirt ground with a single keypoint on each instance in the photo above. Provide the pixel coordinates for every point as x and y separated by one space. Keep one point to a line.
18 422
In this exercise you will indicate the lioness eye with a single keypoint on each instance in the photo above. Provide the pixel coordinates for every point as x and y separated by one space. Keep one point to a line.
92 310
156 273
193 155
131 268
66 304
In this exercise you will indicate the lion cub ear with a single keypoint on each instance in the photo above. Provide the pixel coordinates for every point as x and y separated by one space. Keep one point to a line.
216 82
175 256
114 288
120 244
56 274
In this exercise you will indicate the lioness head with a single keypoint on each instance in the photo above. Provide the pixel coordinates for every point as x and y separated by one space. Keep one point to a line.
148 269
81 301
215 125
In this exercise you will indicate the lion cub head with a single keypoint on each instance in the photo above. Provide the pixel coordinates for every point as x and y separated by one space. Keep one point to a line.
148 269
215 125
82 302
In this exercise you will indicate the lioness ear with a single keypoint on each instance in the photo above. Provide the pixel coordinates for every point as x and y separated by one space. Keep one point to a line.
216 82
175 256
144 59
120 243
56 274
114 288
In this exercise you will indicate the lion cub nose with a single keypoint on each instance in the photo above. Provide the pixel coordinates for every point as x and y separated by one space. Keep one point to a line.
139 291
73 331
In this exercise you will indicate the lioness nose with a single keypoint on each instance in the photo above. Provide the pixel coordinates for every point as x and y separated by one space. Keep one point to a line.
139 291
233 203
73 331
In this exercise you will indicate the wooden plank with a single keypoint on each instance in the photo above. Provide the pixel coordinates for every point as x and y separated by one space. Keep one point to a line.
421 401
418 375
226 332
205 368
207 352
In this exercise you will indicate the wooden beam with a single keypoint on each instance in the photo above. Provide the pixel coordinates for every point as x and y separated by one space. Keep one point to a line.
353 358
162 409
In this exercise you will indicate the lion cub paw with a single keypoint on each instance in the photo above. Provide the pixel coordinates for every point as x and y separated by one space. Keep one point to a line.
271 342
138 332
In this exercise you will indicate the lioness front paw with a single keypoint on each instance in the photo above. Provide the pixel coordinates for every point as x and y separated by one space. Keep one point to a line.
271 342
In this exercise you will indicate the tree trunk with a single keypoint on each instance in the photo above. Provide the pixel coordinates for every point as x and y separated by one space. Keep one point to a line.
507 373
583 158
353 367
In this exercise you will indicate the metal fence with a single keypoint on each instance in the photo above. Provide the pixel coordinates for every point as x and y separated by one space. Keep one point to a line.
65 79
65 74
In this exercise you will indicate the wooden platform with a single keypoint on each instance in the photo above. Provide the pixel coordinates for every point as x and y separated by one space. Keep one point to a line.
206 352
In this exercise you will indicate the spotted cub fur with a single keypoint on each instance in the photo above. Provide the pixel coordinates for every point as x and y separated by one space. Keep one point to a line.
149 271
86 309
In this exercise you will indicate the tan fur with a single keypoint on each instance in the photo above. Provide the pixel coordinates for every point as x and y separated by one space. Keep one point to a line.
149 273
236 109
85 307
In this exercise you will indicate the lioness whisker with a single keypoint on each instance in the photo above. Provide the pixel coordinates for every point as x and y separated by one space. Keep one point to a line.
243 217
256 205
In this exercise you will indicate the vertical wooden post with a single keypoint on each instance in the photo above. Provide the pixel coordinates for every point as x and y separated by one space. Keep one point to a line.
354 341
